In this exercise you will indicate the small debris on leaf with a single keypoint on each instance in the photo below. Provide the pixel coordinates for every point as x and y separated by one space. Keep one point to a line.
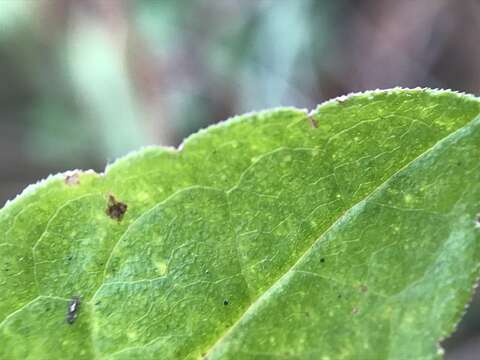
354 311
363 288
322 260
115 209
225 302
73 308
72 179
313 122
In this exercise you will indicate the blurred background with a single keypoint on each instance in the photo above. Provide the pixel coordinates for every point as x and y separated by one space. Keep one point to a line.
84 82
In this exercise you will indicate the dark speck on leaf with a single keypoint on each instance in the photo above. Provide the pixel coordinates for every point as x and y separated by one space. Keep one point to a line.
322 260
225 302
73 308
363 288
313 122
339 296
115 209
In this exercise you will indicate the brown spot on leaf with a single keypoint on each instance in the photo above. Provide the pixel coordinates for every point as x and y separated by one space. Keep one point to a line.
115 209
72 179
313 122
363 288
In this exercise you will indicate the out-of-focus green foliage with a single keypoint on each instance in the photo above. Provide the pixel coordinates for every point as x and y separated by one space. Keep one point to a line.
118 82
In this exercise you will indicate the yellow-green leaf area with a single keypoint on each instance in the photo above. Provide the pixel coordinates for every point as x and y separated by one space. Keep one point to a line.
345 233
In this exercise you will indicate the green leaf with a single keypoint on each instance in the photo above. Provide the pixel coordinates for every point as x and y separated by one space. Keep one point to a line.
346 234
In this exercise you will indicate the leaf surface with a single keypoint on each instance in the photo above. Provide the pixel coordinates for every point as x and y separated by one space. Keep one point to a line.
348 233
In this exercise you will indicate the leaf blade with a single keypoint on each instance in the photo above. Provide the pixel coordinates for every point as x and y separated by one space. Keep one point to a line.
318 162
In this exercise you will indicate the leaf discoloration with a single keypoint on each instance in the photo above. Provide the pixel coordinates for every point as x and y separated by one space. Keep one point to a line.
72 179
115 209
